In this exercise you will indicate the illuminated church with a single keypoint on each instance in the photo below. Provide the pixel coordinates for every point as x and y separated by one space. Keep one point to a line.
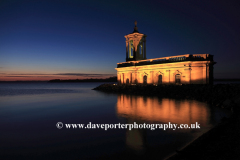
180 69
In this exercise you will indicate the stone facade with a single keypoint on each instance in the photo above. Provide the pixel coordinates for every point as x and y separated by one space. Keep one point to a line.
181 69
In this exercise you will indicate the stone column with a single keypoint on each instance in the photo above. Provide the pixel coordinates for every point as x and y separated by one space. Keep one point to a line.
207 74
122 78
152 77
119 78
168 76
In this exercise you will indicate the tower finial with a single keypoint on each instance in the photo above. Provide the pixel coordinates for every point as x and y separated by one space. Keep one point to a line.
135 28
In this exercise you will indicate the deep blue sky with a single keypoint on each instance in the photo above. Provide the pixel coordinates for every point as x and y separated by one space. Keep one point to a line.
80 39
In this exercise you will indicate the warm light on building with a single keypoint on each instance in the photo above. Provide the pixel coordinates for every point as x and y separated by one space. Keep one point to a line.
181 69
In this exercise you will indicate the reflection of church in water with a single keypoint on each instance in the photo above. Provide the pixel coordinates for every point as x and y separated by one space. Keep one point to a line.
152 110
181 69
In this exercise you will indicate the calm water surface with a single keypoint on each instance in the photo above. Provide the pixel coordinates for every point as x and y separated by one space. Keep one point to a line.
29 113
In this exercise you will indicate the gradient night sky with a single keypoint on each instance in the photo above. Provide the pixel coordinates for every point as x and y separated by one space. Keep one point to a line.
43 40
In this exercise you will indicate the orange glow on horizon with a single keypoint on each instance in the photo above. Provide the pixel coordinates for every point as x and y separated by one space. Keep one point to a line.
37 77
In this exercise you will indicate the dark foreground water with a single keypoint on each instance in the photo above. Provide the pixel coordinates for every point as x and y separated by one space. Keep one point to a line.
29 113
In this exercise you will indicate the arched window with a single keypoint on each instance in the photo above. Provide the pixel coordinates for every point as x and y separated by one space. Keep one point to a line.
160 79
145 79
127 81
178 79
131 49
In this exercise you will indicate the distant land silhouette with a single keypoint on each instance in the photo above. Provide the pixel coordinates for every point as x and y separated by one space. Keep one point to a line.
110 79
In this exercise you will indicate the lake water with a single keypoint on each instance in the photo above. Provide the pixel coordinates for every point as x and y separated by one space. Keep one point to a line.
30 111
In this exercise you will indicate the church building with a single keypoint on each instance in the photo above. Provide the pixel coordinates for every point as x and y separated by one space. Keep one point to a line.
180 69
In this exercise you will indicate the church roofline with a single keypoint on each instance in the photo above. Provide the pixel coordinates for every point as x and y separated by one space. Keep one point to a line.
170 59
132 34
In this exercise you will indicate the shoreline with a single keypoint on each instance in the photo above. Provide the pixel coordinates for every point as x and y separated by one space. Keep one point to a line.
220 142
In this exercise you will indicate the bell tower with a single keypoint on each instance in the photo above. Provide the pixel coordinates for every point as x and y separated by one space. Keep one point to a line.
135 45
